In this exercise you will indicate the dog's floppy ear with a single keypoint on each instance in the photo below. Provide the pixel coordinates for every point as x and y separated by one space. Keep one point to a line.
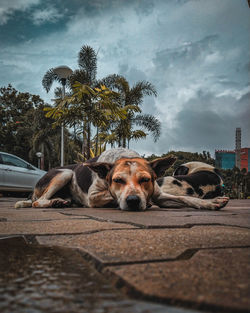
101 168
159 166
181 170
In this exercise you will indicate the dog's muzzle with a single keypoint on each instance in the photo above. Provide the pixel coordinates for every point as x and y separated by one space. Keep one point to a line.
133 203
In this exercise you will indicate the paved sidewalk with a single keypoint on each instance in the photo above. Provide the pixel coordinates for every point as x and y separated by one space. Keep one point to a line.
183 257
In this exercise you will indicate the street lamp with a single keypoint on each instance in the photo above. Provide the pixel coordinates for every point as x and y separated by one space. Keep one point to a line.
39 155
63 72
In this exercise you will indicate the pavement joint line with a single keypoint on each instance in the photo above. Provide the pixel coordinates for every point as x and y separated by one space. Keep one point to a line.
192 225
120 229
99 219
89 232
43 220
66 234
140 226
111 221
122 284
185 255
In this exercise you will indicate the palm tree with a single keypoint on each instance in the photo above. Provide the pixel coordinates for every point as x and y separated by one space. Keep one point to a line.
87 61
86 75
95 106
129 99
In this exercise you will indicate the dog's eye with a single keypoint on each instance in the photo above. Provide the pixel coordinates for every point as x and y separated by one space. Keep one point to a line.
144 180
119 181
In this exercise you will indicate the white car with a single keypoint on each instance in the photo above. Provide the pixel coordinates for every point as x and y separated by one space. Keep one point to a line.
17 174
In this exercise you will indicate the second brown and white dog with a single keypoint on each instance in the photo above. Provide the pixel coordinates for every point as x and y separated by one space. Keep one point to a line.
118 177
196 179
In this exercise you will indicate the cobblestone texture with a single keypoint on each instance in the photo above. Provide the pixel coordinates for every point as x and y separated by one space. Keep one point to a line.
185 257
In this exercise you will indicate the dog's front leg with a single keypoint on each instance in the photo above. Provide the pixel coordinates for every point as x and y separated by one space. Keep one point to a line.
165 200
99 195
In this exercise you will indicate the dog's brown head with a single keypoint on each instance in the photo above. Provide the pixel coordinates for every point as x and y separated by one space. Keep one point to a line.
132 180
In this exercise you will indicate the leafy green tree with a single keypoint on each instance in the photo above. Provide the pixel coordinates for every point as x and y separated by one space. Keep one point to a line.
25 130
17 111
130 99
85 75
93 106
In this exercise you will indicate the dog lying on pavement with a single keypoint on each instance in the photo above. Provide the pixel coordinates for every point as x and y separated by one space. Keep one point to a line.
196 179
118 177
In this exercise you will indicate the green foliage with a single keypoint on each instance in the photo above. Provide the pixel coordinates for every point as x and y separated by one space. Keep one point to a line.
95 105
25 130
110 105
17 111
49 78
130 98
237 183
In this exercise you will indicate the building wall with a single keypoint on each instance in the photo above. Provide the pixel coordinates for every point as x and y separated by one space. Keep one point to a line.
245 159
225 159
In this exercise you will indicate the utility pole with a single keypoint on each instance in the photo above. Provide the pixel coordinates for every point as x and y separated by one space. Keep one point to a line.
63 72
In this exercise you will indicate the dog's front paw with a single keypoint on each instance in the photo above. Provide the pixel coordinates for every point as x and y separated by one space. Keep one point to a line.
218 203
60 203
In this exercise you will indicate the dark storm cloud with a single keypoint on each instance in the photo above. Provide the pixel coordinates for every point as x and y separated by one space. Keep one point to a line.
207 127
195 52
187 53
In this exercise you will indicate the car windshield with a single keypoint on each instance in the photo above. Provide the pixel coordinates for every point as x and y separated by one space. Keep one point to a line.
11 160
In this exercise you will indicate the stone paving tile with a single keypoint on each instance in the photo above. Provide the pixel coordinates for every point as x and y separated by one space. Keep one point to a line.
207 266
150 244
33 215
57 227
211 278
168 218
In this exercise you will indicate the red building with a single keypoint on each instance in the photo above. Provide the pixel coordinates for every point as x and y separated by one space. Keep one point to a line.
245 159
226 159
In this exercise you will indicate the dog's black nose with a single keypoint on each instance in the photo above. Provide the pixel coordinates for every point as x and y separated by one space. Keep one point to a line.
133 202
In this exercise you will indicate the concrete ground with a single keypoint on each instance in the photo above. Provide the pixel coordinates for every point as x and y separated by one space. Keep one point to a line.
182 257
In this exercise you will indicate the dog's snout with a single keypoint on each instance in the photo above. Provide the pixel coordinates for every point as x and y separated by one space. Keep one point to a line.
133 202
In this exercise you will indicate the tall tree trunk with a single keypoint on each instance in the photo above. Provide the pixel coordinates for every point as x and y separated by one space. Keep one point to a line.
84 139
97 141
74 131
88 140
124 142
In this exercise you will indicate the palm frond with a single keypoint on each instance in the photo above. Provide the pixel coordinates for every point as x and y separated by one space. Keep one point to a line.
137 134
48 79
108 138
109 81
79 76
87 60
58 92
150 123
122 85
139 90
146 88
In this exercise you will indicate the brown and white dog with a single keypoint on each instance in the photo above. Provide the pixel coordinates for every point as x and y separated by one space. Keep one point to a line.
118 177
196 179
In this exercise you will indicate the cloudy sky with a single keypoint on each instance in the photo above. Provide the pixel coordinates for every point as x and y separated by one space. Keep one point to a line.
195 52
